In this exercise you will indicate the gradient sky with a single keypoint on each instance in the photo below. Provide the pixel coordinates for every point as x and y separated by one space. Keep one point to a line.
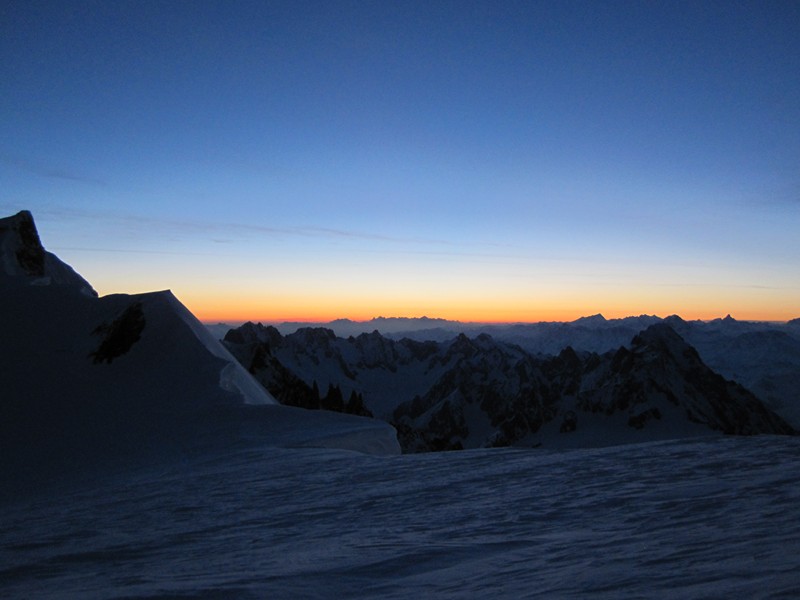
482 161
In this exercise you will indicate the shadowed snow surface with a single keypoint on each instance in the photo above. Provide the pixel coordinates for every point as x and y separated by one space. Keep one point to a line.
692 518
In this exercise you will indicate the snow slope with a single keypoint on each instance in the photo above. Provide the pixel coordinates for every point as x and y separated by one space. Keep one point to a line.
85 378
684 519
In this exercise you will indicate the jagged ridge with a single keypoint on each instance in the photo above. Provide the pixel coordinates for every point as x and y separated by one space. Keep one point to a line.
480 392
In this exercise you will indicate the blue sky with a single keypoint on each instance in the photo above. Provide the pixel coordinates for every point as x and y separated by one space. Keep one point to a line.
472 160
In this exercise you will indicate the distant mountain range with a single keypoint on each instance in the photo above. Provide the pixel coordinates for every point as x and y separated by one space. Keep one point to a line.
762 356
427 328
471 392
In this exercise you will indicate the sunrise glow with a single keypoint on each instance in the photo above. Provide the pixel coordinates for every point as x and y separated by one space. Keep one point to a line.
495 163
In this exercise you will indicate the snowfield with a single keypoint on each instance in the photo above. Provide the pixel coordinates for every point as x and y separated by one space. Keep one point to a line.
708 518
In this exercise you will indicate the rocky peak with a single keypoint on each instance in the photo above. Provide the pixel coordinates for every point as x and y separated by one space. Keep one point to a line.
374 336
673 320
250 332
21 247
462 346
592 321
568 358
485 341
310 336
23 259
662 340
375 350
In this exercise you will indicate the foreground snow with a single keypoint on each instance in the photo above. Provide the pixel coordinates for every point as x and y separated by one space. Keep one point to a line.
685 519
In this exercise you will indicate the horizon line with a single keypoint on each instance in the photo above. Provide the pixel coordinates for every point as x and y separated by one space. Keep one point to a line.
310 321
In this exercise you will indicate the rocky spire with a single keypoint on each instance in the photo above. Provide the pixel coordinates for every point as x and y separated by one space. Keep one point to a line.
24 260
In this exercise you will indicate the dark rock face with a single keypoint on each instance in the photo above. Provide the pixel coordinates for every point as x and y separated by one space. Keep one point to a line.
253 345
31 254
119 335
660 364
497 381
26 262
256 357
251 332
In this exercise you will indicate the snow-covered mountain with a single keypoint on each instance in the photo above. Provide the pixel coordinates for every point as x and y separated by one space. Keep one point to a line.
384 372
657 388
477 392
762 356
85 376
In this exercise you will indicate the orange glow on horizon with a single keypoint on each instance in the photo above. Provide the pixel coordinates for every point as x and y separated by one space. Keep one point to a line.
302 312
497 295
484 303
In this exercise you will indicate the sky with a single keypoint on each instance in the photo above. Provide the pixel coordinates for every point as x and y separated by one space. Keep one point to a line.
481 161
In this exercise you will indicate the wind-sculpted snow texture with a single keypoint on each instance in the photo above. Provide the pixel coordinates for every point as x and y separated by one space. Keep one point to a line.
683 519
479 392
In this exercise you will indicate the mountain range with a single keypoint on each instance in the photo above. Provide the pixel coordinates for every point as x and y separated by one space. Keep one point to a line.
478 392
762 356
